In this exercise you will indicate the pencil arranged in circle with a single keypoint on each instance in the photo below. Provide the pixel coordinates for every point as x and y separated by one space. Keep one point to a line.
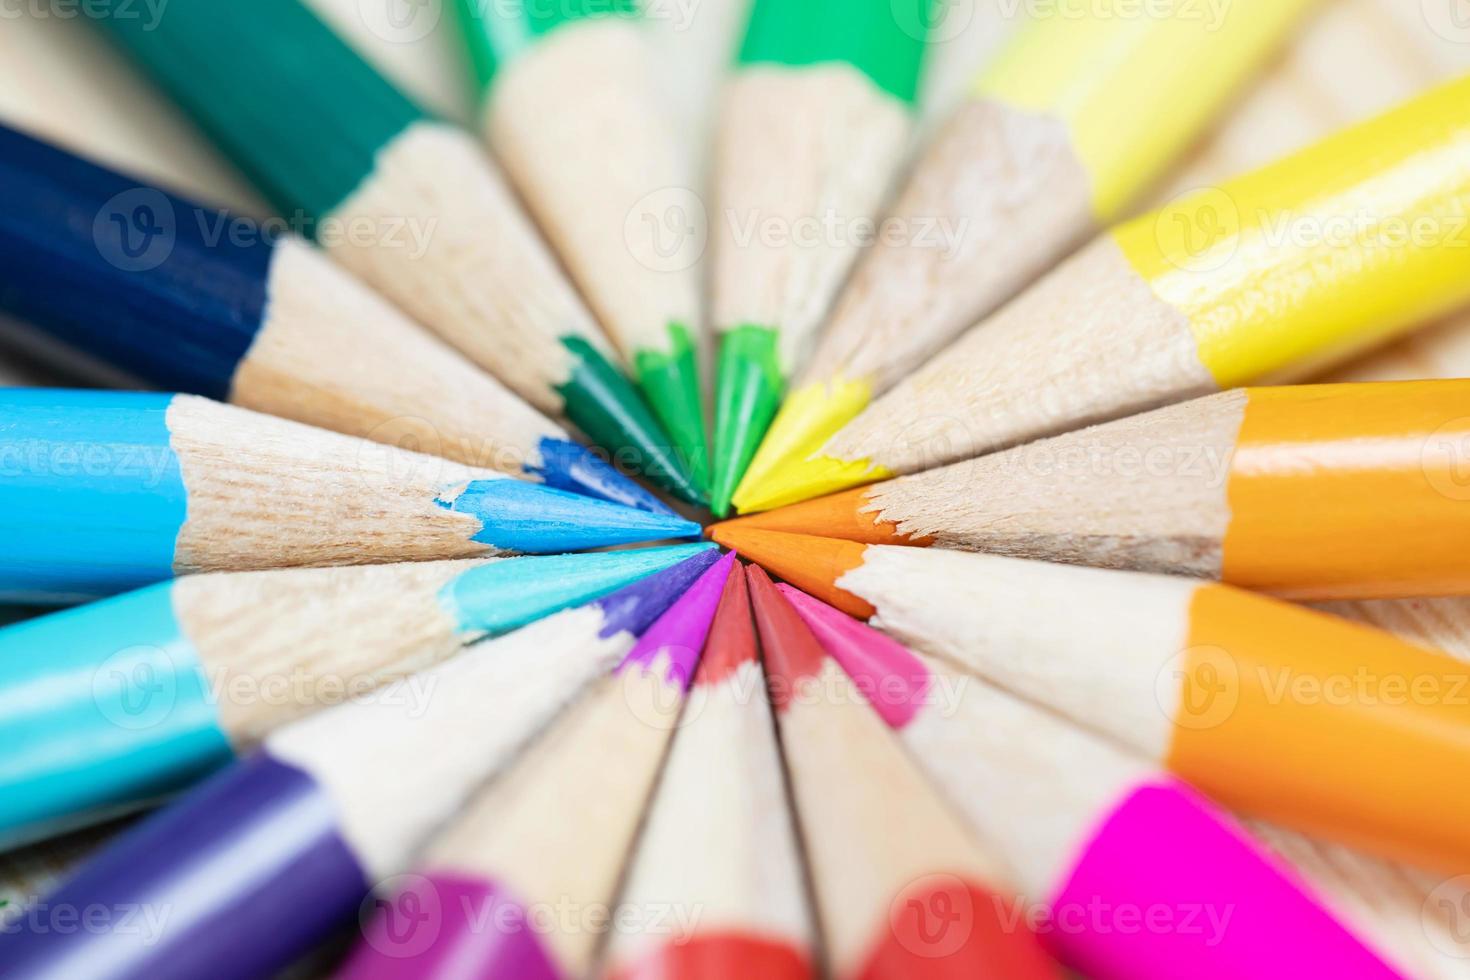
902 887
1285 713
722 799
108 491
271 855
1068 123
1311 492
553 830
142 694
409 204
815 122
189 298
587 66
1095 833
1274 274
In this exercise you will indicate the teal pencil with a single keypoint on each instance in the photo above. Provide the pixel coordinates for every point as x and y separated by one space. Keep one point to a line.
410 204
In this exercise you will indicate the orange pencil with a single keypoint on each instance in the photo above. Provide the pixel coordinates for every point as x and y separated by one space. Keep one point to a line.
1280 712
1314 491
886 853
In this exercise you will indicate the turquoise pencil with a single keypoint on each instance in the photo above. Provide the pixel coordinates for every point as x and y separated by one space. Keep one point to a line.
410 204
139 695
109 491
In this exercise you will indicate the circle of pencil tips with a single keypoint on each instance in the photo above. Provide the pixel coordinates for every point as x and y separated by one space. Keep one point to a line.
1049 624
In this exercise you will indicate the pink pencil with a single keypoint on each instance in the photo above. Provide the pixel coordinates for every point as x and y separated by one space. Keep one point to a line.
1138 875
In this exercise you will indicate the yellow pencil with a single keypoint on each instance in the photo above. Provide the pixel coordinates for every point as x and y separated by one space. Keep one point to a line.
1274 274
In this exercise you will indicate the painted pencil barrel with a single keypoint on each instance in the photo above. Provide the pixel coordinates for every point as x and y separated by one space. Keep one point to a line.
93 498
1323 725
104 709
122 271
1351 491
1246 917
296 879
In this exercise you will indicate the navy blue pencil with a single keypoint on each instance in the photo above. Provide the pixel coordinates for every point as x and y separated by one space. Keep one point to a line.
189 298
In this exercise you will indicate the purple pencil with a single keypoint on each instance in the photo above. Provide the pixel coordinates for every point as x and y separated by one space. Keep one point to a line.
244 874
519 886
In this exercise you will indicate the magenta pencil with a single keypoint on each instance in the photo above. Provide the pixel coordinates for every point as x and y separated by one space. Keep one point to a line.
512 887
1134 874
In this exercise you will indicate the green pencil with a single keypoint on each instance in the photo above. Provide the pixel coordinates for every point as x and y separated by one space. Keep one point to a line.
410 204
816 122
574 115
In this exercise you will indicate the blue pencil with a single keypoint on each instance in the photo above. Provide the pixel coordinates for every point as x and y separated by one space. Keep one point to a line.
269 856
139 695
185 297
104 492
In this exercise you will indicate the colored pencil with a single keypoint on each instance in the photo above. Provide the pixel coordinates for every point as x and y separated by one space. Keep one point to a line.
215 306
555 829
1310 492
269 856
587 65
409 204
109 491
143 694
815 122
719 836
1289 714
1071 120
1274 274
887 855
1099 840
